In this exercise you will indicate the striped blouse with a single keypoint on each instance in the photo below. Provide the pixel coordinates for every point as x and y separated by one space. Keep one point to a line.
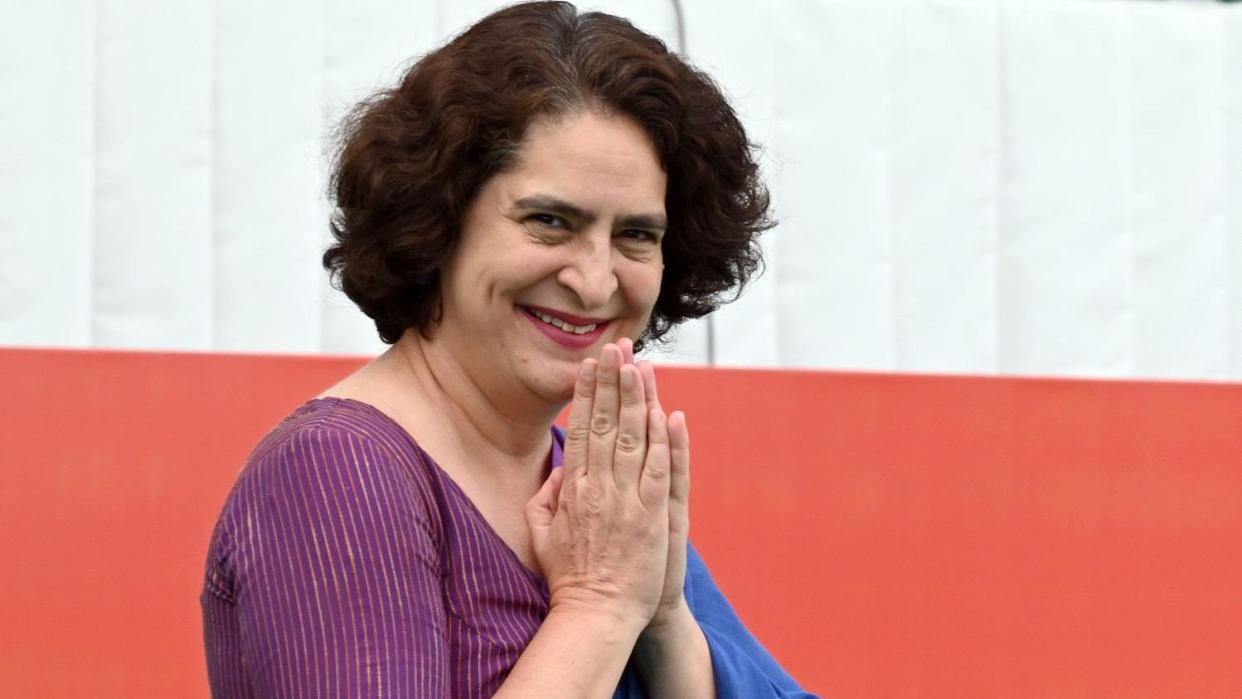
346 563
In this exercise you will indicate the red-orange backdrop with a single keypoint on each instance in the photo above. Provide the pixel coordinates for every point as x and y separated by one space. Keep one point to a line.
885 536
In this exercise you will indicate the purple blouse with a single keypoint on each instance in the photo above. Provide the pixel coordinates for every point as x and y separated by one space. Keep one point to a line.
346 563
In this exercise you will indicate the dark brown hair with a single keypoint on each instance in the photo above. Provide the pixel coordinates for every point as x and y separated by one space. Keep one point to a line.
411 159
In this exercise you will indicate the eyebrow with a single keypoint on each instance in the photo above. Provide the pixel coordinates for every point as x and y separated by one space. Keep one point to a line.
560 207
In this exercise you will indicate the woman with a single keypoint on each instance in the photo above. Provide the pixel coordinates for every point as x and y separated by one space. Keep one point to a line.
532 203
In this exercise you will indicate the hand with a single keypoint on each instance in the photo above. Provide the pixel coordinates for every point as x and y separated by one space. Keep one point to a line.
672 597
599 525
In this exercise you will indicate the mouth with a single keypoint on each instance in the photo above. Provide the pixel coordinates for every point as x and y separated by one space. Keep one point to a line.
566 329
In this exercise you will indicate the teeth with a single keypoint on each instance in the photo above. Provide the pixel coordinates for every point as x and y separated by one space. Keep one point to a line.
567 327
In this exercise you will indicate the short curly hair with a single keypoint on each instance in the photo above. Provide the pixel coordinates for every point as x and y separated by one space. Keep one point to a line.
411 159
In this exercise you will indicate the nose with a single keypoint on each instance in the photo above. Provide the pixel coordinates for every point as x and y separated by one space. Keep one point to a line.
590 273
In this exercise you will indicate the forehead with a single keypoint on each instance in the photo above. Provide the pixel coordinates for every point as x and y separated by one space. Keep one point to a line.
589 156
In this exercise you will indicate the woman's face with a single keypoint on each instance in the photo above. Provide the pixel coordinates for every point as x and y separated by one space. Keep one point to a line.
558 255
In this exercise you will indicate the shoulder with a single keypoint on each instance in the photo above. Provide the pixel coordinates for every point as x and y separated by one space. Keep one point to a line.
338 437
327 458
329 420
333 484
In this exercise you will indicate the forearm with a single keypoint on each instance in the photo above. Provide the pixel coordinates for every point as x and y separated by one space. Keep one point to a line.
575 653
675 661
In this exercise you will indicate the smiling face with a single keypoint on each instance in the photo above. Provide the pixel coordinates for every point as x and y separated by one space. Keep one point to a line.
558 255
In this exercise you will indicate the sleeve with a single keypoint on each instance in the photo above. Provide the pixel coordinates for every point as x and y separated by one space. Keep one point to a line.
743 667
337 573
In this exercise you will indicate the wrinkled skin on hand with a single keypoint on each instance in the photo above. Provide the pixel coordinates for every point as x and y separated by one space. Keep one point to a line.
610 528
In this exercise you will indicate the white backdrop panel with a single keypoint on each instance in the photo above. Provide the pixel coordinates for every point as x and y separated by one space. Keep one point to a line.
267 167
1025 187
1065 286
944 125
46 148
836 270
153 182
1176 193
655 17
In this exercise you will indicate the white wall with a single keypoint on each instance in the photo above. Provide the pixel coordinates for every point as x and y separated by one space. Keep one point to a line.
967 186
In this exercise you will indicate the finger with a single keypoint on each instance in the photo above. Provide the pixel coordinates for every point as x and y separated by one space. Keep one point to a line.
541 509
647 369
679 448
604 415
653 486
553 484
578 430
631 431
679 496
678 502
626 345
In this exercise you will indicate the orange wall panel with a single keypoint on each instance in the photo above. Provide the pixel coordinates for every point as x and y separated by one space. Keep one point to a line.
885 536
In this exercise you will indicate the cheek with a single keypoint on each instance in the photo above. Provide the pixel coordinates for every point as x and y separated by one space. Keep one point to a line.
643 286
502 271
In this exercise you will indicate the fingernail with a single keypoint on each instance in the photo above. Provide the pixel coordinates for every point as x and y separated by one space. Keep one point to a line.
587 371
627 379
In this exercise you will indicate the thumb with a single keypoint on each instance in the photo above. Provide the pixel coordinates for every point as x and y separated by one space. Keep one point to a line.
542 508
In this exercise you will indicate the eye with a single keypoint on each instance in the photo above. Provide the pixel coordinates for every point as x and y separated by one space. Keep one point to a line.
547 220
640 236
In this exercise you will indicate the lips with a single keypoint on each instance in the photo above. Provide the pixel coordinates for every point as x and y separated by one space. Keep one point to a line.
565 329
567 317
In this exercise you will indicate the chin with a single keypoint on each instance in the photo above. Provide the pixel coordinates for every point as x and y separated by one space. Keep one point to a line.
554 381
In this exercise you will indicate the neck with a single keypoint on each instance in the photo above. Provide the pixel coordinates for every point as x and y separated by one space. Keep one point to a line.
493 427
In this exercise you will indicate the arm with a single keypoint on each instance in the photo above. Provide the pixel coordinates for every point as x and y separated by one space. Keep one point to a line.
675 660
337 570
576 653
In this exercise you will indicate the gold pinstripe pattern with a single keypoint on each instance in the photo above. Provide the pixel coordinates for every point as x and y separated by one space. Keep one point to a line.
345 563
